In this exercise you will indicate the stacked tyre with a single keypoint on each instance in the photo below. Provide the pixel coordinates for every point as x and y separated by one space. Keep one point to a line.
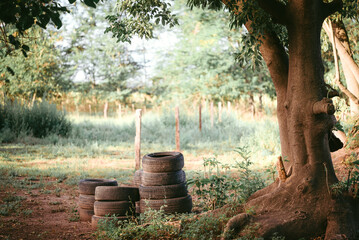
163 183
87 195
114 201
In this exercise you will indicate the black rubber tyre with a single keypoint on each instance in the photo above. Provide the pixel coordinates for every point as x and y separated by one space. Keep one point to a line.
119 208
160 179
163 162
115 193
95 219
88 186
85 214
171 205
86 201
163 192
137 177
138 209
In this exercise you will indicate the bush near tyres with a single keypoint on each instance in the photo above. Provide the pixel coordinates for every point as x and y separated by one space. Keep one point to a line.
40 120
96 219
162 162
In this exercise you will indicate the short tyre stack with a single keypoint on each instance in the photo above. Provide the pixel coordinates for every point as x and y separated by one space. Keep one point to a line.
114 201
163 183
87 196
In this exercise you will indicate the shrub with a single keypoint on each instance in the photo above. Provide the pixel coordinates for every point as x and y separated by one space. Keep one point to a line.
40 120
220 188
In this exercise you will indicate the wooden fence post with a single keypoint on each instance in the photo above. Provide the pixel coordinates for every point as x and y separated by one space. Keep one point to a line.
105 109
138 140
200 116
212 114
119 111
177 129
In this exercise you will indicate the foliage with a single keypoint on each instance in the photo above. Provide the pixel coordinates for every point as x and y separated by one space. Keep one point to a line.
203 66
221 188
155 224
106 66
39 120
353 135
24 14
37 76
140 18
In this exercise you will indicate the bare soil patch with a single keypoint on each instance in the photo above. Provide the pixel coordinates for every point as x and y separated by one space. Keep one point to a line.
45 213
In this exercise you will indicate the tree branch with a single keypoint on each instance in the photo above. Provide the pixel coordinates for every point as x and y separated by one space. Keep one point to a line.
274 8
329 30
332 7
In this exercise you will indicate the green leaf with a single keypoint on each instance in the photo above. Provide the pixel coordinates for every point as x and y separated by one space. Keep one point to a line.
72 1
9 69
25 47
90 3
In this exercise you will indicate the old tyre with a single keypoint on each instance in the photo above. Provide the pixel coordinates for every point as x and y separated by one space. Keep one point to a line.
159 179
171 205
95 219
119 208
86 201
163 192
138 208
88 186
137 178
115 193
163 162
85 214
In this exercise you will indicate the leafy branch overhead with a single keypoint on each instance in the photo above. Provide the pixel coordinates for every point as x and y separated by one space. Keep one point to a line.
139 18
24 14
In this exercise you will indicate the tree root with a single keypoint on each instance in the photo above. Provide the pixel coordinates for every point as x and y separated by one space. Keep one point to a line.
294 212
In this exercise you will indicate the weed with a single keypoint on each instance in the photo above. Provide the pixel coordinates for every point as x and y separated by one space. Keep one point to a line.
27 212
74 214
216 190
11 204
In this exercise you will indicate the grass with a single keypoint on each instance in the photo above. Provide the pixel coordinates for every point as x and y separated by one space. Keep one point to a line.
103 148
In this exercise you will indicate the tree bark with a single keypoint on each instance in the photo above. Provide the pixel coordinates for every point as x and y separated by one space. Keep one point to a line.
303 204
350 68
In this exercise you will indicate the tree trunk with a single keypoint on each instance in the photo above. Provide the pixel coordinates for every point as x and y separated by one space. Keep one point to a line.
350 68
302 204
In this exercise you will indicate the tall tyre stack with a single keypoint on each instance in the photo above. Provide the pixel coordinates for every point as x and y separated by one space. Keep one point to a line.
114 200
163 183
87 195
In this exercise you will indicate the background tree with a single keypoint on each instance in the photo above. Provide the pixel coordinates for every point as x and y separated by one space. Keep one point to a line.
202 66
36 76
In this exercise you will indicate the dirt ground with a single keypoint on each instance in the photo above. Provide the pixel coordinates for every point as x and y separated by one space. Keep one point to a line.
50 212
53 216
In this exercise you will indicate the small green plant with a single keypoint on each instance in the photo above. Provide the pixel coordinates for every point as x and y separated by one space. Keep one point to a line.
216 190
74 214
12 204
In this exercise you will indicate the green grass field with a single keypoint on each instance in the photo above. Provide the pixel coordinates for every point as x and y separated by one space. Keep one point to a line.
100 147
